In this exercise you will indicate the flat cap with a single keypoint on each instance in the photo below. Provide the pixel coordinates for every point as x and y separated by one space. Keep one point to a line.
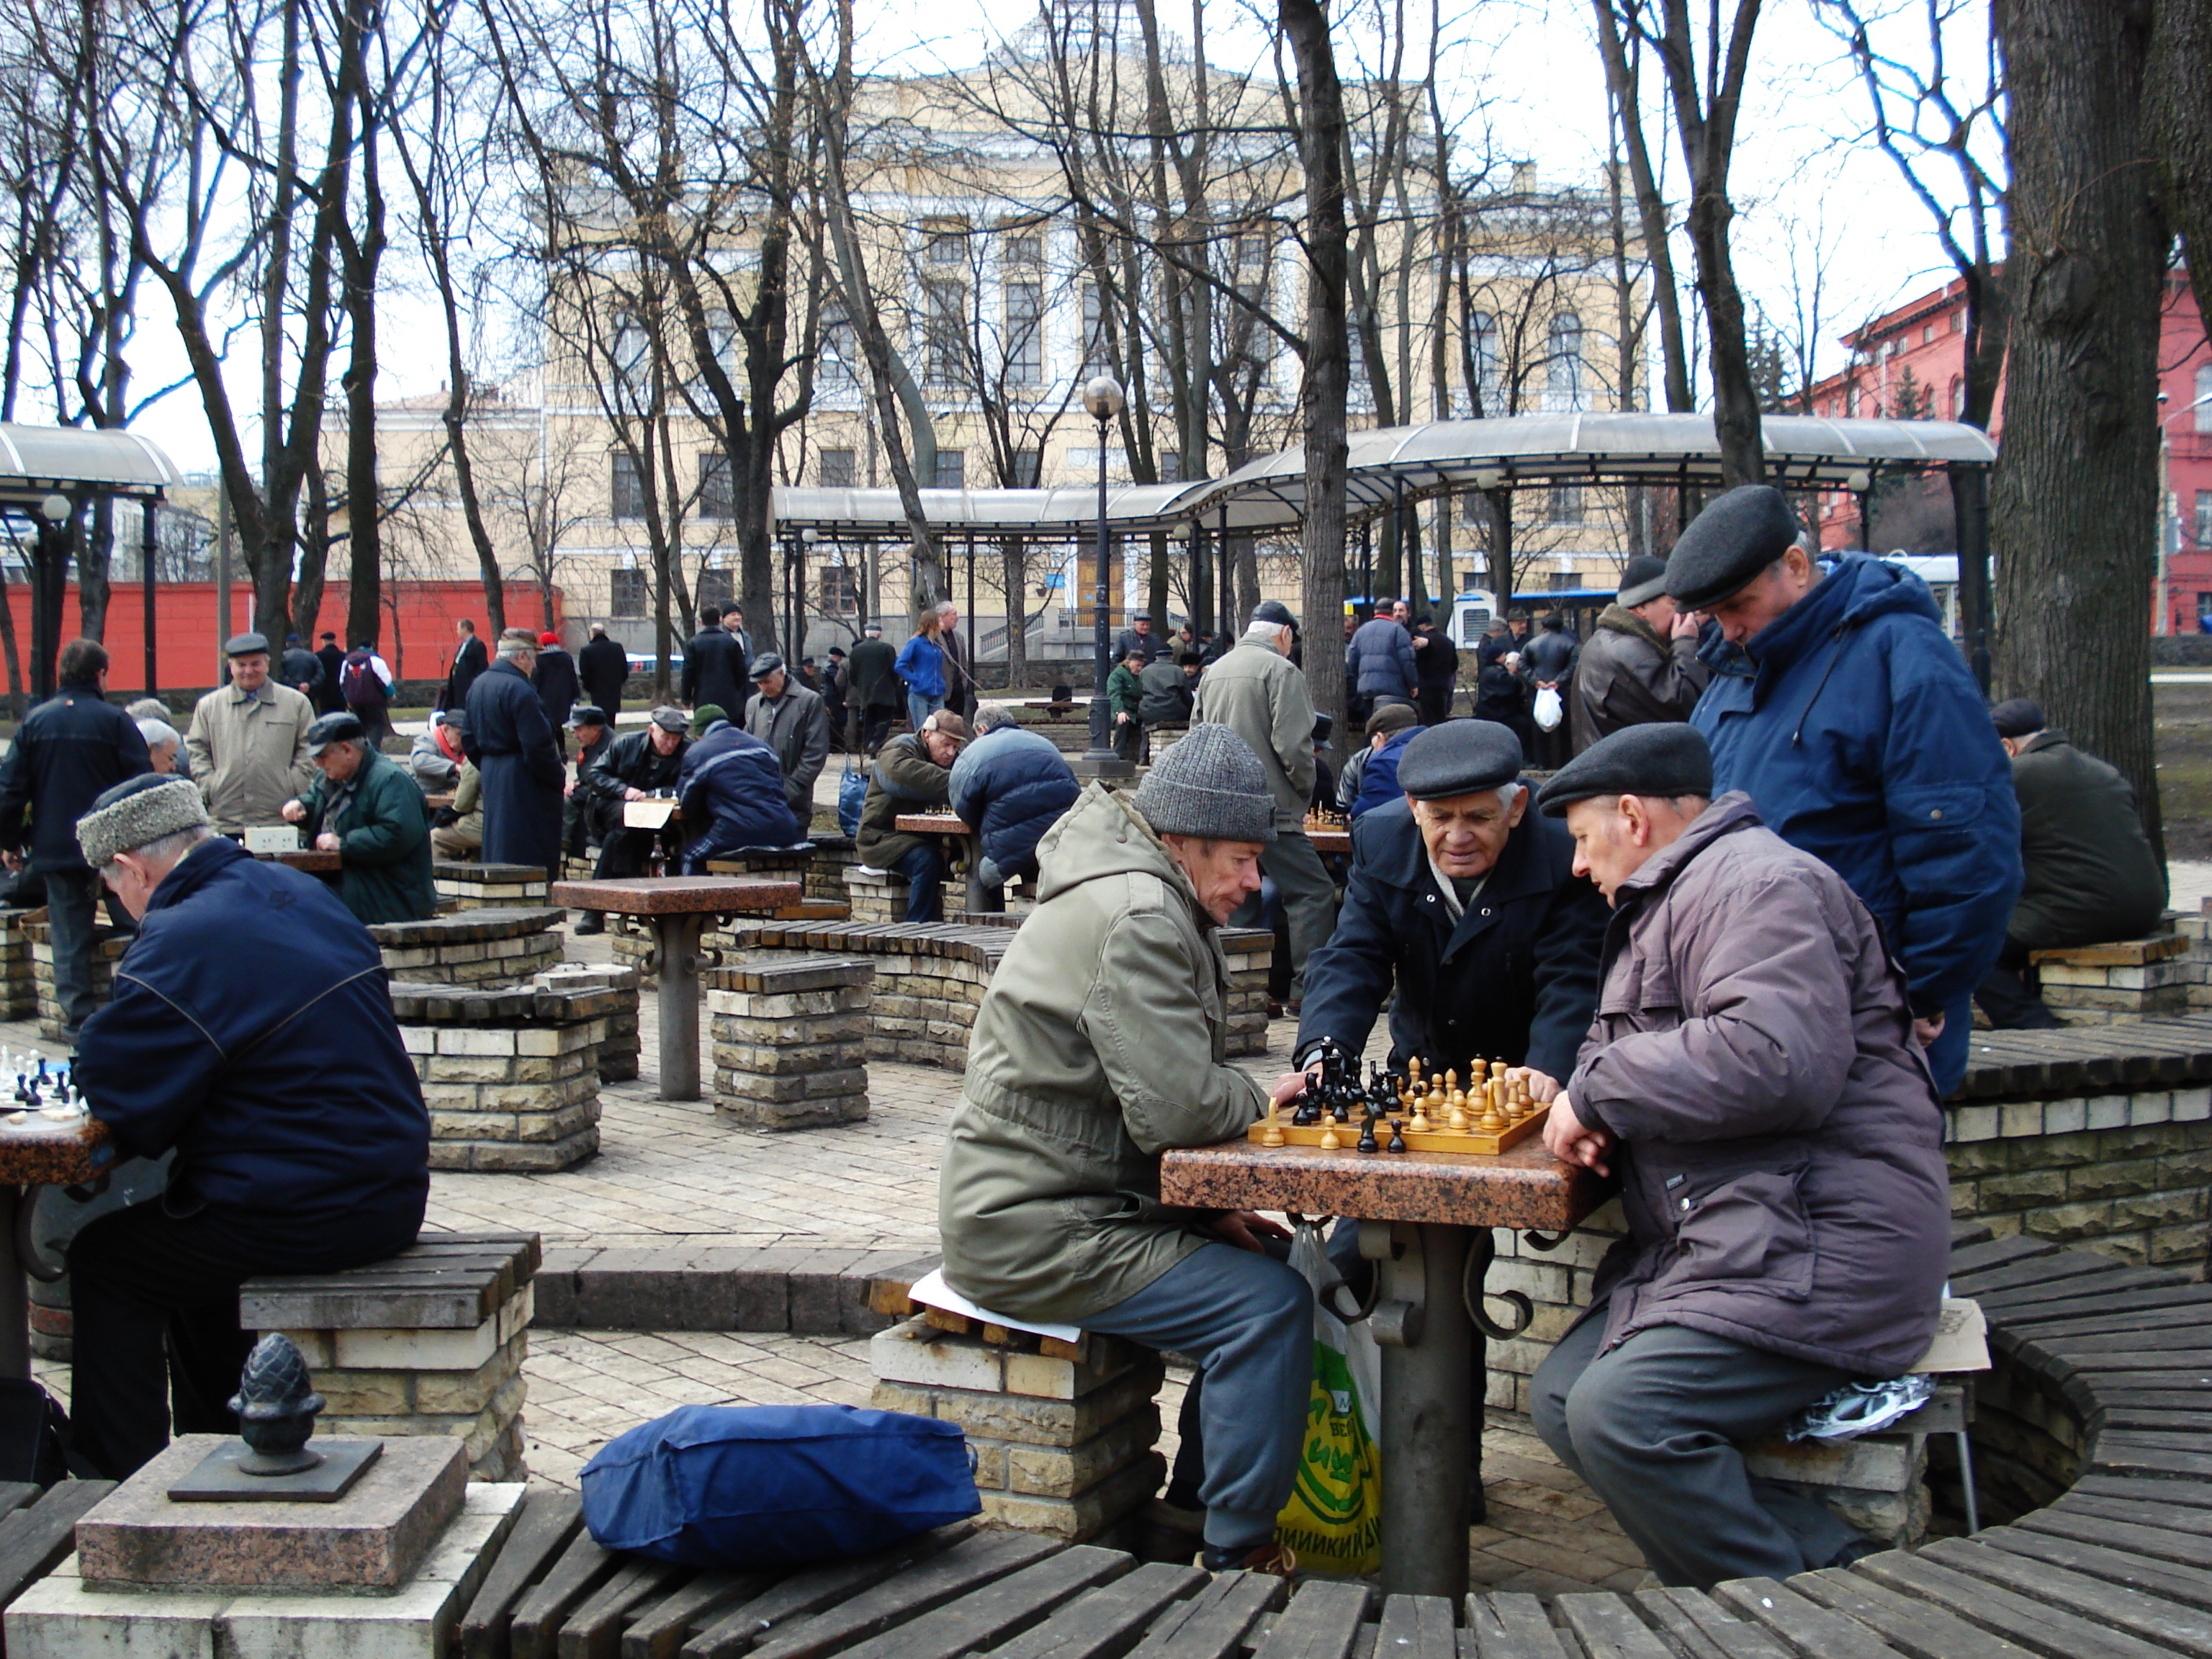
1460 758
1642 579
1324 724
1274 612
1392 716
1740 532
1667 758
586 714
136 810
456 718
2018 717
1142 616
244 645
671 718
767 662
339 727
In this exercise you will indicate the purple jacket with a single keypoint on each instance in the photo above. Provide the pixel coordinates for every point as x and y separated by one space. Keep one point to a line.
1781 1155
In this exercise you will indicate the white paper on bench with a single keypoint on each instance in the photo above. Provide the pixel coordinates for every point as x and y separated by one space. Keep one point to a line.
932 1291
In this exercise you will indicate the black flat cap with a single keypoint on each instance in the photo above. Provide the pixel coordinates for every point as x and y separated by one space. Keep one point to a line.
1460 758
244 645
2018 717
767 662
1274 612
1324 724
671 718
340 728
1642 579
586 714
1668 758
1740 534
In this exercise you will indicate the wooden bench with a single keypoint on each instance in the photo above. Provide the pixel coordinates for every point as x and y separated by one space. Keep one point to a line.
2124 979
466 884
493 949
428 1341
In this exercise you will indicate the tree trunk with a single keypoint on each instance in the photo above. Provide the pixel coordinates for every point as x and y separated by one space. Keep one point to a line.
1013 571
2179 120
2074 500
95 556
1323 386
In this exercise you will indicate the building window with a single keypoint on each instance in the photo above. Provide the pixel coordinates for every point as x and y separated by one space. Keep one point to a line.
717 588
1565 506
944 323
1565 361
1093 333
837 469
626 488
629 595
716 493
1958 398
838 590
1029 468
633 354
946 245
2204 397
1171 466
951 468
2200 526
722 346
1928 334
1482 349
840 348
1851 401
1026 333
1254 340
1024 250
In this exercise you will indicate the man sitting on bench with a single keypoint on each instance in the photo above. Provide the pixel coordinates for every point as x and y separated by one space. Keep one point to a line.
251 1031
1752 1072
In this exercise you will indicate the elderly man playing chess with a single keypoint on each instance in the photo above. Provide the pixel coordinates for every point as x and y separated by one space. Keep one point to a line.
1752 1077
1100 1044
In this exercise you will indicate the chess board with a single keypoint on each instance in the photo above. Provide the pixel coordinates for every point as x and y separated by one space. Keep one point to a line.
1409 1114
1432 1140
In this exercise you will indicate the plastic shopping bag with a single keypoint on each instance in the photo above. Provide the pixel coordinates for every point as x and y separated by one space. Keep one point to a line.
852 792
1334 1517
1550 711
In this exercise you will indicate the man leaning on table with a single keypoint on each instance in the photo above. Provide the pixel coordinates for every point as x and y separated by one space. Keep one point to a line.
274 1072
1752 1076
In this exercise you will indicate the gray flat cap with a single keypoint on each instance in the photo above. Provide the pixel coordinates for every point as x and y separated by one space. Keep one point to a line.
1460 758
136 810
671 718
766 663
1739 534
1642 580
244 645
1667 758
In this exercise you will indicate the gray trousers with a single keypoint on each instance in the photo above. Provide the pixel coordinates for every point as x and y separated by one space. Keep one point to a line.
1248 1321
1309 900
1650 1428
73 911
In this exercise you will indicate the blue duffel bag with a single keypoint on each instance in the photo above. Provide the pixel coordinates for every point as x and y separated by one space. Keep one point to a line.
775 1485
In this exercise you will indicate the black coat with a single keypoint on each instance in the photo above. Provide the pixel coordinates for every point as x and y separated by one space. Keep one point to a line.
469 665
556 682
714 671
1515 980
328 700
70 749
302 670
511 743
631 762
604 668
875 681
277 1071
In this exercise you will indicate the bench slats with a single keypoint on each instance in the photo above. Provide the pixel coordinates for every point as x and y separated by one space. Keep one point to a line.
2125 1558
1511 1626
975 1561
1417 1627
1212 1623
2154 1512
594 1630
811 1590
2167 1623
1107 1622
581 1570
547 1521
1606 1628
445 1281
35 1539
1003 1608
1322 1622
2182 1494
2051 1630
660 1629
1832 1618
1698 1627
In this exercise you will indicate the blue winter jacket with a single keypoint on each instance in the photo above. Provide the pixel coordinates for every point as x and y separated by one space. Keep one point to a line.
1012 785
920 663
1862 738
251 1029
732 782
1379 660
1378 773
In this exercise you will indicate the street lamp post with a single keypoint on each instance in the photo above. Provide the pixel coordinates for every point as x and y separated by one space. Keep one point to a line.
1101 400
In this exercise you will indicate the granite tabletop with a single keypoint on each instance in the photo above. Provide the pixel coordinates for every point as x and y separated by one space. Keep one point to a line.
1524 1187
312 859
934 824
41 1152
671 896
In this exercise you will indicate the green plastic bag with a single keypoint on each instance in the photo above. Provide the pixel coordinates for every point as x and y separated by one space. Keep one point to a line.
1334 1518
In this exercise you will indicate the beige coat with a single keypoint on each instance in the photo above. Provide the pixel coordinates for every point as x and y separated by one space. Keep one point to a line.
1257 694
1100 1044
249 754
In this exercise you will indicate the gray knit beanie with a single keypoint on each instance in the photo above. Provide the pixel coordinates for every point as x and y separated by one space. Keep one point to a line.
140 810
1210 784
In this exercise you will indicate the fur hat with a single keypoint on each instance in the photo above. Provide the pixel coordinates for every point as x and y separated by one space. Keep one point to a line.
136 812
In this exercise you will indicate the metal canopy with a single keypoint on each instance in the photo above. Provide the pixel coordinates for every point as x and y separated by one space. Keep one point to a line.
1388 464
36 461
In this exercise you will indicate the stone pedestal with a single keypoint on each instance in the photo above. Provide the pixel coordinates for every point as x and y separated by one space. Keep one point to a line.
825 870
1877 1483
107 946
2094 984
880 895
19 991
1063 1446
511 1076
618 1048
461 886
490 950
791 1040
1250 950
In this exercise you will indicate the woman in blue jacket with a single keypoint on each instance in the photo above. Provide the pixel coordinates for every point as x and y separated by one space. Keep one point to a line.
921 666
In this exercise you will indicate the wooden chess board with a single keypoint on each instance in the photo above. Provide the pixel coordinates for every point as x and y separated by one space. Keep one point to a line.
1436 1138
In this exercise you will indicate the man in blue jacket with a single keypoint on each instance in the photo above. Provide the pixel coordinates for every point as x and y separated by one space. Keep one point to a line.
277 1075
732 782
1012 785
1378 664
1863 739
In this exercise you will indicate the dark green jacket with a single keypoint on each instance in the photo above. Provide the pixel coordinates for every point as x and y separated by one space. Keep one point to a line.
903 779
384 841
2091 874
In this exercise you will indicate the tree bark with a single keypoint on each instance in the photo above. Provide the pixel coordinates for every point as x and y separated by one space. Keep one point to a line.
2074 500
2178 118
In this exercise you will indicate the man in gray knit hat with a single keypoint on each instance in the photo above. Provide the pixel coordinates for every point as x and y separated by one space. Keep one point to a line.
1099 1045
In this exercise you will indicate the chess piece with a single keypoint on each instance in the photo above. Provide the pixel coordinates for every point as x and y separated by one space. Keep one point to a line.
1397 1137
1457 1117
1414 1073
1272 1135
1329 1143
1367 1141
1492 1121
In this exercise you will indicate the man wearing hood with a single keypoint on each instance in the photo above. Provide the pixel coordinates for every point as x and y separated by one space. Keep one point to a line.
1641 664
1102 1043
1862 738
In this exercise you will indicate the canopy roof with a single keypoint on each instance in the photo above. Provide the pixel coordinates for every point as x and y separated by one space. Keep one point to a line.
1386 463
37 461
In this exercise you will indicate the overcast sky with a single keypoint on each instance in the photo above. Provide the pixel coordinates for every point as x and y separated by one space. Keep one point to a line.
1803 190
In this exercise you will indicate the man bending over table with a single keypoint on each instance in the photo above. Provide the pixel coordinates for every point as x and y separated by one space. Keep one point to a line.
1753 1074
276 1071
1100 1044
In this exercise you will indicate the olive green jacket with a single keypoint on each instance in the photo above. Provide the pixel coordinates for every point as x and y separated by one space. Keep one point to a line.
1257 694
1099 1045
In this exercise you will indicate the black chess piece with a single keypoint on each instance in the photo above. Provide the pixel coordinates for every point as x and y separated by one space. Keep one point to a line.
1309 1111
1397 1136
1367 1141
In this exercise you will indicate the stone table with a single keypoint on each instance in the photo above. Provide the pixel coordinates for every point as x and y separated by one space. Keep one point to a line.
680 907
1425 1220
981 900
39 1152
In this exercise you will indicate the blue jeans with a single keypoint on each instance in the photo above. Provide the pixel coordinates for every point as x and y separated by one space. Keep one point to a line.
924 870
1248 1321
920 706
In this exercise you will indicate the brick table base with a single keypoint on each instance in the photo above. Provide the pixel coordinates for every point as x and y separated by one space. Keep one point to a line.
791 1040
511 1076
